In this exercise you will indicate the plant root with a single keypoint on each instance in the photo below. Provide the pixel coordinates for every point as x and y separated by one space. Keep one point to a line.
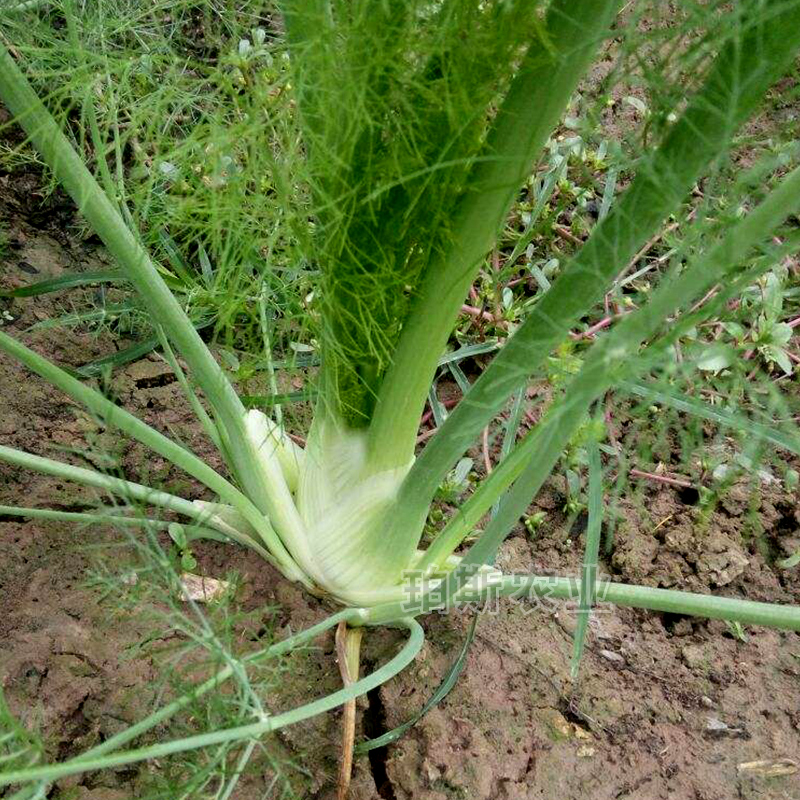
348 650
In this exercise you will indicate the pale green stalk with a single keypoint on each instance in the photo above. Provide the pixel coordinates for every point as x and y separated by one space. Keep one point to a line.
533 104
225 791
29 793
535 101
99 211
98 480
111 517
531 587
607 361
738 79
126 422
127 489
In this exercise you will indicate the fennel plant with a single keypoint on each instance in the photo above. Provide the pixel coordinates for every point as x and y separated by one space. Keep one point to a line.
420 121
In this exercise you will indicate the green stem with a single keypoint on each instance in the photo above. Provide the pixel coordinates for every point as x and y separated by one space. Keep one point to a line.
742 73
243 732
97 208
239 770
115 517
607 361
209 426
112 517
670 601
591 550
538 95
168 711
127 489
112 414
117 486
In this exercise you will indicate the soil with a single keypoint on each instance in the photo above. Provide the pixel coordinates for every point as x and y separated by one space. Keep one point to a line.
666 707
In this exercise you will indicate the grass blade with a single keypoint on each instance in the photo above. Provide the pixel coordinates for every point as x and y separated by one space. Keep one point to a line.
64 282
202 415
104 364
512 429
590 554
438 409
134 352
468 351
608 195
544 194
459 376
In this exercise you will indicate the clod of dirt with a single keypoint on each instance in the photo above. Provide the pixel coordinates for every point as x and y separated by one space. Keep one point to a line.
202 589
717 729
614 658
